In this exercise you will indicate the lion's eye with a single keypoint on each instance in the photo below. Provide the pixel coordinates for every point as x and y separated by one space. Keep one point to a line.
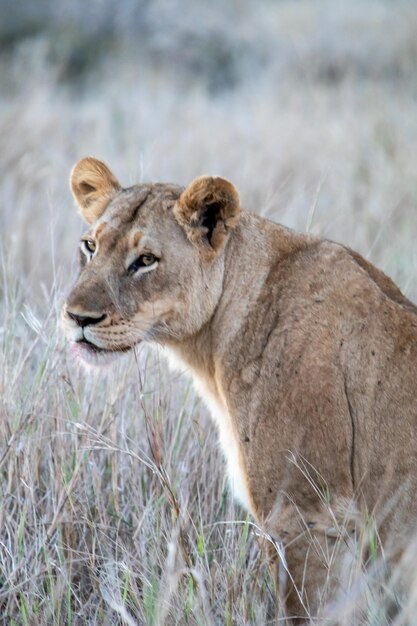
89 245
145 260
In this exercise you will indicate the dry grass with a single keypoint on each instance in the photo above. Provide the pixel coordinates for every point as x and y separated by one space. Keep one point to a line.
114 506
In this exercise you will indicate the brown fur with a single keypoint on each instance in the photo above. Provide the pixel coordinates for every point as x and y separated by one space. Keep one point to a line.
211 197
305 353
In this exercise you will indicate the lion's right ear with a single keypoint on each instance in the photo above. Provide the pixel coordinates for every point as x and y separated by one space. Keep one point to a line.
93 186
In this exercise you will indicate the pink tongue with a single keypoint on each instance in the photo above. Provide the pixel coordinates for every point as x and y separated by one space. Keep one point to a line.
78 349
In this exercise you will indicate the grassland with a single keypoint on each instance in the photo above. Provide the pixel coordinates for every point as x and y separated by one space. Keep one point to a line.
114 508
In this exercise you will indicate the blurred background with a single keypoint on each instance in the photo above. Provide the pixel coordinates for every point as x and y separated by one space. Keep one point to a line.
308 107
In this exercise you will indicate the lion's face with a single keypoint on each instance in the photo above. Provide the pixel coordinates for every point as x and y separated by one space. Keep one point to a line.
151 260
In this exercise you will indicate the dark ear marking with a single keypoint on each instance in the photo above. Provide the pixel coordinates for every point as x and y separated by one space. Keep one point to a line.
209 220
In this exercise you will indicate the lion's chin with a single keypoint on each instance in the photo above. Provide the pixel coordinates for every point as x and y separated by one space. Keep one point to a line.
90 354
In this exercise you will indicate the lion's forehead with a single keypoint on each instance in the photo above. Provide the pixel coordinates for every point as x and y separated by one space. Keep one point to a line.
132 215
132 210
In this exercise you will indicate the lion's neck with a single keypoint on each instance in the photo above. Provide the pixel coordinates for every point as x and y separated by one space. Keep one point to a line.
220 353
252 261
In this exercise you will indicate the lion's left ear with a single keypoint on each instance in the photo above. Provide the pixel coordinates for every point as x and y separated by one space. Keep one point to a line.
207 209
93 186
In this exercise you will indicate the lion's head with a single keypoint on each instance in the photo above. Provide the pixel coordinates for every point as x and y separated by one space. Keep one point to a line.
151 261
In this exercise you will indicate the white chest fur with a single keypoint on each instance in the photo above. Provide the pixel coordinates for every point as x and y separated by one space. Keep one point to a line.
227 436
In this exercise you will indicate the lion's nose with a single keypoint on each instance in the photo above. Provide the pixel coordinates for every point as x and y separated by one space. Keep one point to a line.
85 320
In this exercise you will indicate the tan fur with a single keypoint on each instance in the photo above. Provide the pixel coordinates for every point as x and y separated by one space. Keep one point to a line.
304 352
93 185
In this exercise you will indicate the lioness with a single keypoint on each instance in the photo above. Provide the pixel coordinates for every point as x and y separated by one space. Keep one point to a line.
304 352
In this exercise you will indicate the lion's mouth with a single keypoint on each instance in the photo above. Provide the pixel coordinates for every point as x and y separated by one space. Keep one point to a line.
90 346
91 353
